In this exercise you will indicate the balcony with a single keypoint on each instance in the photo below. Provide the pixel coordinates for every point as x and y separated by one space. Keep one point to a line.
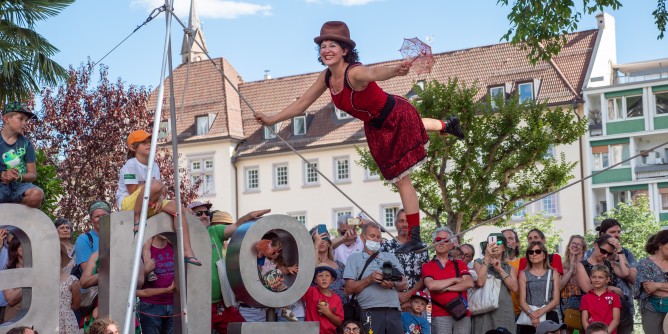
651 171
595 129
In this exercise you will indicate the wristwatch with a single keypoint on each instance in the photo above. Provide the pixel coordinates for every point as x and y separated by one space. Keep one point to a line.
620 252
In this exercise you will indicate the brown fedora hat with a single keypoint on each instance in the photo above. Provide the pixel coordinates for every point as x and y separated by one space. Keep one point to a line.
335 31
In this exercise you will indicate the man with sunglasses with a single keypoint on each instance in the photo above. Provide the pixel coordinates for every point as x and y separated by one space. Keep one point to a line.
202 211
447 280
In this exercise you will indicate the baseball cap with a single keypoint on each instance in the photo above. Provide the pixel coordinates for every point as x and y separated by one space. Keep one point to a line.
198 203
137 136
549 326
498 330
17 107
421 294
221 217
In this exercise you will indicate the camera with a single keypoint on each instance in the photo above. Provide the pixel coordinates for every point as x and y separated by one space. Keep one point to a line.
390 273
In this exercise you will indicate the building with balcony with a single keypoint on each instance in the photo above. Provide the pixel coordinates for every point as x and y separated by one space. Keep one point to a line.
628 115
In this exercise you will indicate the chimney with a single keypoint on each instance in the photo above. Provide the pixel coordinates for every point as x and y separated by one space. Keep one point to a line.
267 76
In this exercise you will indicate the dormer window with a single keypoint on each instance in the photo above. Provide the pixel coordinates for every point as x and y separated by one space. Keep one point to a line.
525 91
495 92
270 131
299 125
204 123
341 115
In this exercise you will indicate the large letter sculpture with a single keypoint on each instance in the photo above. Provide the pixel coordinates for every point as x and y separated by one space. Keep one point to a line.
40 275
241 263
117 250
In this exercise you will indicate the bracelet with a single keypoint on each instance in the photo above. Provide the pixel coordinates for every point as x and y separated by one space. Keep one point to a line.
620 252
507 275
20 177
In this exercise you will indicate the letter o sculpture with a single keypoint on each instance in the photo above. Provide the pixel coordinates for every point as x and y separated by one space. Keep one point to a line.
241 261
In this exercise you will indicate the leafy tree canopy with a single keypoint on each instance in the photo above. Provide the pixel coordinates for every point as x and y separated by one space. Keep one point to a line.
540 26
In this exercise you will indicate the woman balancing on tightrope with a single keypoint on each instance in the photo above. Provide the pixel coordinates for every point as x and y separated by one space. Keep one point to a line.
395 133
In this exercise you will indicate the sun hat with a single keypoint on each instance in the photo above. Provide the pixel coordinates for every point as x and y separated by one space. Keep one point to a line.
335 31
198 203
422 295
324 267
137 136
221 217
549 326
17 107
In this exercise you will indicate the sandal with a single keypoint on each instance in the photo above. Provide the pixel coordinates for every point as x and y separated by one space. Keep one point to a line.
192 260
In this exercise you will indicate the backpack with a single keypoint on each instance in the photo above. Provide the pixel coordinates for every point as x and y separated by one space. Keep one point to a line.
77 271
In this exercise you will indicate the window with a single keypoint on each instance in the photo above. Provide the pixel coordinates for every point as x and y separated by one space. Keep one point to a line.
551 152
299 216
370 175
311 176
625 107
252 179
340 114
202 169
341 169
340 212
202 125
270 131
549 205
605 156
389 215
664 199
299 125
494 94
520 213
525 91
661 103
281 176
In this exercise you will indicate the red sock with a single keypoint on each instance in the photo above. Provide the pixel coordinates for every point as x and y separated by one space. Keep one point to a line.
413 220
443 126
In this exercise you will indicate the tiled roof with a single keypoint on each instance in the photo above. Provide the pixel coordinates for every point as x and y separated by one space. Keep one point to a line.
486 66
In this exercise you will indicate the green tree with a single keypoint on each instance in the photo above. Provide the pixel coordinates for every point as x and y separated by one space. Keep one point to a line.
540 26
544 223
25 56
502 162
48 180
638 224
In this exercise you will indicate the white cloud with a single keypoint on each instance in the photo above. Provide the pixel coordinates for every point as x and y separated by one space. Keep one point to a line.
343 2
213 9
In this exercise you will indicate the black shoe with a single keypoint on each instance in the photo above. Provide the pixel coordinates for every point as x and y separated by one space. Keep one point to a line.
452 127
414 242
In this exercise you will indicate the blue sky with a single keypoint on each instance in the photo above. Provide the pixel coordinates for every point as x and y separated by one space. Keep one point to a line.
277 35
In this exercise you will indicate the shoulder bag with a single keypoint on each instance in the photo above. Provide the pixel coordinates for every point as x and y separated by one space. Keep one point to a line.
524 318
225 288
486 298
352 309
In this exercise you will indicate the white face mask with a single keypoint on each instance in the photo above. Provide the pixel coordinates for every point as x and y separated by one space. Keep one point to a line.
373 246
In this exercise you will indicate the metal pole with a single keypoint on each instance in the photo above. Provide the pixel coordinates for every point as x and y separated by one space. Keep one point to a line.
177 189
128 324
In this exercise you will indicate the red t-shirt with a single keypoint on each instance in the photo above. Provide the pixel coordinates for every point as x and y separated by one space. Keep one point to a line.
436 271
311 299
600 307
555 262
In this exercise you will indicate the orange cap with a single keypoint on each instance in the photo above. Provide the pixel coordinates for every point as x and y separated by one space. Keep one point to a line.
137 136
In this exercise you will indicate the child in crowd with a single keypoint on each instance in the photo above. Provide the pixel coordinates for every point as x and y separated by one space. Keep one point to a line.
272 270
131 187
70 296
601 304
414 322
322 305
104 326
597 327
18 168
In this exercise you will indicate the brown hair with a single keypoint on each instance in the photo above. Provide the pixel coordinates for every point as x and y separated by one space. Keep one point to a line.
546 261
657 240
99 326
600 267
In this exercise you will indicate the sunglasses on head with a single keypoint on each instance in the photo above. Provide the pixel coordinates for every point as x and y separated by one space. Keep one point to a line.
535 251
439 239
201 213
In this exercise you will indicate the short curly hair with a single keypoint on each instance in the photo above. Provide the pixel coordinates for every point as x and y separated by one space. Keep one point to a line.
99 326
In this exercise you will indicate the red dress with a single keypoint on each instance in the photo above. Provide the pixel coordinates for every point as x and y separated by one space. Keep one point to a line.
393 127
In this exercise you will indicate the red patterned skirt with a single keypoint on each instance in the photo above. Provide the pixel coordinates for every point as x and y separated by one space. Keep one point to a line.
399 145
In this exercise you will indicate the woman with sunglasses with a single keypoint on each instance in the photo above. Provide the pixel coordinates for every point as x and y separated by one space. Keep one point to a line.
603 251
534 281
494 263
